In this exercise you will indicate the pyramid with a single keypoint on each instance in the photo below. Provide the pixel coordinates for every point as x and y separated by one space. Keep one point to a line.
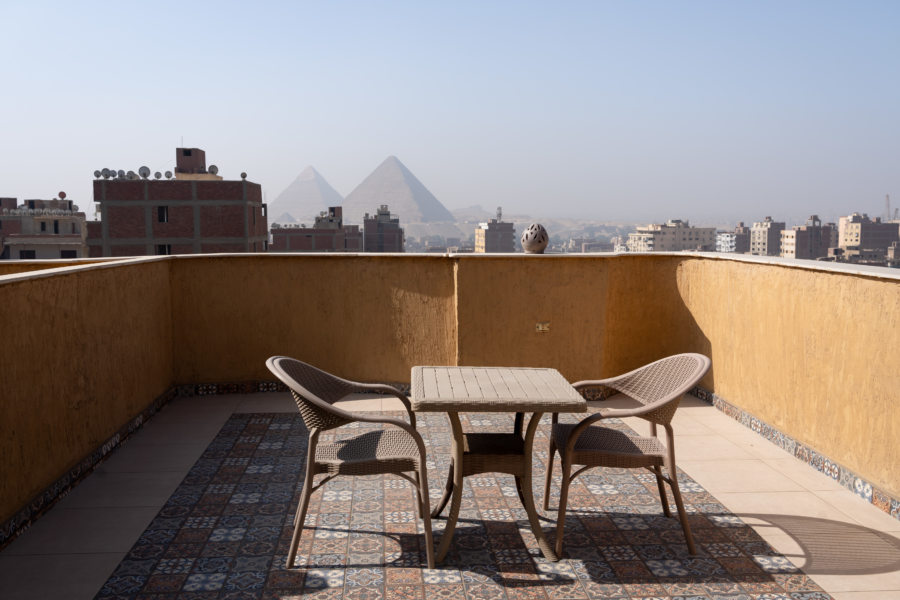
395 185
305 198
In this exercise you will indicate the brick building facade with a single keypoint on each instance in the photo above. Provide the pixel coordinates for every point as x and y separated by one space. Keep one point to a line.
328 234
197 212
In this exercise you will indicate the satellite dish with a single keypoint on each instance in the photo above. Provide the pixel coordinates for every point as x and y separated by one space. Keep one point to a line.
243 176
121 173
157 175
62 195
214 169
105 173
96 174
145 172
168 174
131 175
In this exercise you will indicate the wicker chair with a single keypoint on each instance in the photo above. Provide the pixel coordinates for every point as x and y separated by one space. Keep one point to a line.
398 449
658 387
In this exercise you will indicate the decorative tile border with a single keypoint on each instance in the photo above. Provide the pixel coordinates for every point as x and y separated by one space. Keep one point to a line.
841 474
41 503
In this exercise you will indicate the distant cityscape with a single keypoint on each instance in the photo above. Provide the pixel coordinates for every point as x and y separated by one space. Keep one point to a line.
195 210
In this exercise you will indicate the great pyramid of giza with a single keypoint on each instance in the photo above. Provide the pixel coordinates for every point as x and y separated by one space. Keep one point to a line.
394 185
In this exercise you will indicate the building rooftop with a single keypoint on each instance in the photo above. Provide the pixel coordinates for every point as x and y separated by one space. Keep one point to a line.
188 459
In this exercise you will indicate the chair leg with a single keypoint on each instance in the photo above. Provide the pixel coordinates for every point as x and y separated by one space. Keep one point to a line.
549 476
300 516
418 487
426 514
682 515
663 497
563 498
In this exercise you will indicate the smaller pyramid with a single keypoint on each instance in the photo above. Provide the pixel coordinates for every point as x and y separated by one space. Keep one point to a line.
307 196
394 185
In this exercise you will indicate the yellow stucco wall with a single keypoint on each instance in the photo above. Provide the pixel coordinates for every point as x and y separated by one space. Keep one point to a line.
368 318
83 353
813 353
809 351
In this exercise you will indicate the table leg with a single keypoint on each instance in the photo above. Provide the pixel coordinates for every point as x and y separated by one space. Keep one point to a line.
457 448
448 490
527 494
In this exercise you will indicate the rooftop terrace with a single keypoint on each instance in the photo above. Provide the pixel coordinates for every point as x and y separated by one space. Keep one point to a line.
151 373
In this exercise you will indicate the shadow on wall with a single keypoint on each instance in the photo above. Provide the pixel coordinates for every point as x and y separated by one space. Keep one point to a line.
647 317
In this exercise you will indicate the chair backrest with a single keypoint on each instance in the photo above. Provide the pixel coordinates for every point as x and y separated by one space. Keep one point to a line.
314 391
663 383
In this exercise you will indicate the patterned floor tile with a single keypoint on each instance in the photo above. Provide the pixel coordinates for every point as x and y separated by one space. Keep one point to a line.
225 533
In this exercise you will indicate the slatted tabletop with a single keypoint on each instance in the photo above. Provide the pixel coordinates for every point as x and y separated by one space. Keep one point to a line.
493 389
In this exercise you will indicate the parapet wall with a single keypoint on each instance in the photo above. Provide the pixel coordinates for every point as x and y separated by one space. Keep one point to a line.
810 350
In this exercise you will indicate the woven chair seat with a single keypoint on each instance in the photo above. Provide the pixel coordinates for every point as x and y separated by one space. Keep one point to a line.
372 453
604 447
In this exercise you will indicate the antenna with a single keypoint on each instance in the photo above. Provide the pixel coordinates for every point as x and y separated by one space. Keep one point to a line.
499 213
887 207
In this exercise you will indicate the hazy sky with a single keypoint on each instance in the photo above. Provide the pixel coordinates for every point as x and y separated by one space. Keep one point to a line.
708 111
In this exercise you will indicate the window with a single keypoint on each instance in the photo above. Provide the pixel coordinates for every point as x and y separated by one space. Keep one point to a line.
55 226
162 214
43 226
68 254
26 254
164 249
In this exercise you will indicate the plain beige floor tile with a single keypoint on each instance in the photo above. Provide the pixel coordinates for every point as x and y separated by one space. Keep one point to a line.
73 576
706 448
800 510
84 531
859 510
872 582
803 474
176 431
759 446
722 476
111 489
149 457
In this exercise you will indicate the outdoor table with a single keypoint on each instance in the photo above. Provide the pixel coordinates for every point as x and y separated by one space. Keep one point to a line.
492 389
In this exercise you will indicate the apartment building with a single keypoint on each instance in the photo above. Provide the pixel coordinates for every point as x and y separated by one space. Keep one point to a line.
765 237
809 241
41 229
674 235
382 232
495 236
858 231
737 241
328 234
195 212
